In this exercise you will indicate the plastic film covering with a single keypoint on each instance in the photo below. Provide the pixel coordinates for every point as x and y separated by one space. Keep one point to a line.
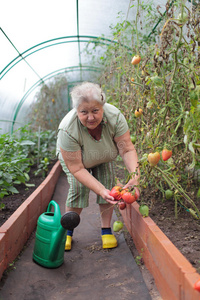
41 39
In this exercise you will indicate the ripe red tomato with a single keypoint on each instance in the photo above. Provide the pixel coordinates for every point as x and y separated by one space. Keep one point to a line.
122 205
166 154
138 112
129 197
136 60
153 158
124 191
116 192
197 285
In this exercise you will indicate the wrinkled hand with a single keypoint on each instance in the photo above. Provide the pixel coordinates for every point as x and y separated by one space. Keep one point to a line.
105 194
130 184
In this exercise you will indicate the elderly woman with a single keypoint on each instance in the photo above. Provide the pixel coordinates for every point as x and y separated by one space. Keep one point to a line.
90 137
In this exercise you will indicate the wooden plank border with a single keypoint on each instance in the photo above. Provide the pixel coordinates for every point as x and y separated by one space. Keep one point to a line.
16 230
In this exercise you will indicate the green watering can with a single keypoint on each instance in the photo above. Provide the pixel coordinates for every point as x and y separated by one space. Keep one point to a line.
51 233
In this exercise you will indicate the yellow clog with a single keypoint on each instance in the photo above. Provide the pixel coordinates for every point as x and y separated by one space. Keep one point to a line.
68 244
108 241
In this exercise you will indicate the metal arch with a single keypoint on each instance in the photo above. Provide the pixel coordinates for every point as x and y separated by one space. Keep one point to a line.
25 54
46 77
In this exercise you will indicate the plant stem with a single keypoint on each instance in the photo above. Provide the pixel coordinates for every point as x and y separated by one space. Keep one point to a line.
181 191
136 28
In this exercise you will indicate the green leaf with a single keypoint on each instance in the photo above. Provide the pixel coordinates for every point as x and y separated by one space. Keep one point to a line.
185 139
17 182
21 179
8 177
191 148
26 176
30 184
12 189
27 143
2 205
190 167
3 193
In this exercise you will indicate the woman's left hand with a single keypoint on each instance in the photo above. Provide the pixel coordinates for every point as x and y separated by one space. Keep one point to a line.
132 183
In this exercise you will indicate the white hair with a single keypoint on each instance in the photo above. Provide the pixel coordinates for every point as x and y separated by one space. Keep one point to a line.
87 91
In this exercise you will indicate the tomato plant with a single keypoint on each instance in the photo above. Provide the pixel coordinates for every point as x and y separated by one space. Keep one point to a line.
166 88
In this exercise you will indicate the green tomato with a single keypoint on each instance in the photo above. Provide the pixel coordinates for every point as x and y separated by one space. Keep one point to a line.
46 160
182 19
168 194
133 139
144 210
117 226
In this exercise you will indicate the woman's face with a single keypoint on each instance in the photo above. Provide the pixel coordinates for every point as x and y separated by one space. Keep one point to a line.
90 113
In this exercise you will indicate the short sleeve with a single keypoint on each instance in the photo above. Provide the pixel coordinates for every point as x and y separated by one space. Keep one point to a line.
67 142
121 125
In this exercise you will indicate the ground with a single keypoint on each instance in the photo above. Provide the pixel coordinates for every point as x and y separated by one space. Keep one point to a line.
183 232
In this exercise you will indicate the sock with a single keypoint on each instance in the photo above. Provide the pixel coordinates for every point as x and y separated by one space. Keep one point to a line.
106 231
70 232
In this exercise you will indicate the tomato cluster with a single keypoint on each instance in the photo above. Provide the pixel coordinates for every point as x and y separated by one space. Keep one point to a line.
126 196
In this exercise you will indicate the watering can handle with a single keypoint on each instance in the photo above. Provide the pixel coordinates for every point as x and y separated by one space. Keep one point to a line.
56 208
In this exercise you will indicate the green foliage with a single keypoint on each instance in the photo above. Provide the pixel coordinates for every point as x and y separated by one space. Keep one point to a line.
50 104
18 152
165 85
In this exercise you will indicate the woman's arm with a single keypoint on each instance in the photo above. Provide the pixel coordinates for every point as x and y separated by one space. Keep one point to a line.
73 161
129 155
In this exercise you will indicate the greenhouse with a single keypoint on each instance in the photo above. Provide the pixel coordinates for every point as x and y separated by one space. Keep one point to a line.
124 79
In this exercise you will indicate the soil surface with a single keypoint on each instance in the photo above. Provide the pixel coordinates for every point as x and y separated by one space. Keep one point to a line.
183 232
12 202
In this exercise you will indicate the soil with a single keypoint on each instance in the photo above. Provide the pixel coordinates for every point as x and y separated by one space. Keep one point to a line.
12 202
184 232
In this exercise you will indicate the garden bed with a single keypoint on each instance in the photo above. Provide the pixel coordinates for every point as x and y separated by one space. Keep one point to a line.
12 202
183 232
